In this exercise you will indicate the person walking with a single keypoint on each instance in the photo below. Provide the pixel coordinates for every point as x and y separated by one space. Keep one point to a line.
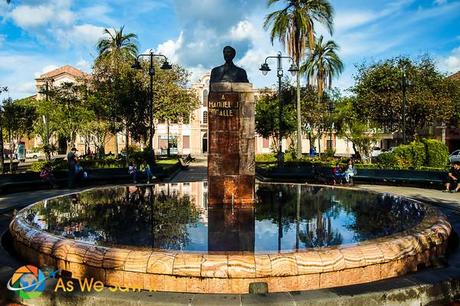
71 163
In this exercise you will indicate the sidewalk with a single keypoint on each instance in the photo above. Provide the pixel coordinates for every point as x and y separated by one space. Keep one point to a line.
432 196
19 200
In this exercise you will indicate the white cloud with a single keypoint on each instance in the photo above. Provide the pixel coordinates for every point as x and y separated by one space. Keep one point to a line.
52 13
19 70
345 20
170 48
440 2
84 65
87 33
45 69
83 34
27 16
243 30
2 39
452 63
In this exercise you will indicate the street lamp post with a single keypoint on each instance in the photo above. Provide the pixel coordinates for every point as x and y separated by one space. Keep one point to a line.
404 89
330 109
46 121
2 159
164 66
293 69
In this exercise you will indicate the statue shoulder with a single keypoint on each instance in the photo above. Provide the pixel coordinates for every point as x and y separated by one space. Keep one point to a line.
243 75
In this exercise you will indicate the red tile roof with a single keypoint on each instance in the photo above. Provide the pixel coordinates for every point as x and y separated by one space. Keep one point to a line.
65 69
455 76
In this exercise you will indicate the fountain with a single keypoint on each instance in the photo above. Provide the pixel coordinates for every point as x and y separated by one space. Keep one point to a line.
242 236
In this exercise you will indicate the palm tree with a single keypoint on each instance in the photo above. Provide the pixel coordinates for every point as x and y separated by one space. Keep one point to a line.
117 46
294 26
117 43
322 65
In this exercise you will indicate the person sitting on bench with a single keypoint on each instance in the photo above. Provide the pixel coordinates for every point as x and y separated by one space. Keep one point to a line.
452 178
183 164
189 159
338 174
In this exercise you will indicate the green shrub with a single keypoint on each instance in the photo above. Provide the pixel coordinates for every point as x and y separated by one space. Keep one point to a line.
329 153
57 164
436 152
388 160
266 158
37 166
416 155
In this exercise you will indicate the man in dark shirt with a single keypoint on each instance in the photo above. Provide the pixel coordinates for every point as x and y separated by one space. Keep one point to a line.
71 162
452 179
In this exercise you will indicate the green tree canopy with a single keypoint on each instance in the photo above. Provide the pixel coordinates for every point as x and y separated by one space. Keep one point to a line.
267 114
379 97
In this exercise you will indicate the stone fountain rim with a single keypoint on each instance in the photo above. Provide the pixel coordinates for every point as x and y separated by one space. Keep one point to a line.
409 248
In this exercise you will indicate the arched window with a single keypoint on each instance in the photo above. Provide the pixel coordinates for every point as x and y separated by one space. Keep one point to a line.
205 117
205 97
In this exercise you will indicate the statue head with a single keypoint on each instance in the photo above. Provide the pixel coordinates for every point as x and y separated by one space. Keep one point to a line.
229 54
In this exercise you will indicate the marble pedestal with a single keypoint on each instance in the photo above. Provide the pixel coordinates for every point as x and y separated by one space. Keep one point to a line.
231 155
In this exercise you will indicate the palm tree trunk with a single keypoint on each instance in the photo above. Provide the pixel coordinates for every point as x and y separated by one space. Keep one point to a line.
299 119
127 144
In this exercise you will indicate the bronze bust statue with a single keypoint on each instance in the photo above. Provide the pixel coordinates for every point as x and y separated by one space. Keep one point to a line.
228 72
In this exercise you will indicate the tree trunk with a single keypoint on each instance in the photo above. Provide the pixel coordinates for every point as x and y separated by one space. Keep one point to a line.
116 145
2 159
127 145
319 145
169 148
10 139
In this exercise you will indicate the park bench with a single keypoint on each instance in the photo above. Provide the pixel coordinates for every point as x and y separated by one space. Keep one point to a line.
324 175
6 167
183 164
408 177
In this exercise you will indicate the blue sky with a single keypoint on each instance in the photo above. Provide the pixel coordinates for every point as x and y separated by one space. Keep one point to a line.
39 35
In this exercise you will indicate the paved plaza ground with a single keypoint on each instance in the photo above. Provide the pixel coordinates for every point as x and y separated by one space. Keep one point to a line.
407 290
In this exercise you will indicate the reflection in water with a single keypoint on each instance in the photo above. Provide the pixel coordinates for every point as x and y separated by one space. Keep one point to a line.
176 217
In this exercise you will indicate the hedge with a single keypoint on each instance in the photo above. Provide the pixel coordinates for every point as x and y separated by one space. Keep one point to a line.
437 153
416 155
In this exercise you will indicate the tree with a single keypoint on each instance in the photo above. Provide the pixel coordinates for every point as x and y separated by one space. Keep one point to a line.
2 159
267 115
294 26
18 121
379 95
70 110
322 65
173 102
316 118
353 128
116 49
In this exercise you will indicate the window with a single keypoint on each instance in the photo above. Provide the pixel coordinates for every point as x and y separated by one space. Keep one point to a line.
266 143
205 97
329 144
186 142
205 117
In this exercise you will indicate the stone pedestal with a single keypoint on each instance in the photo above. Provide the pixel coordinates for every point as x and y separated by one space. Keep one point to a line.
231 230
231 159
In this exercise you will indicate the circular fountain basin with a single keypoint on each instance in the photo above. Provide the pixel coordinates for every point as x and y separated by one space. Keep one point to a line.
165 237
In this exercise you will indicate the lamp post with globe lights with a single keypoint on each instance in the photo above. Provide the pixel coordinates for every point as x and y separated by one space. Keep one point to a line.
165 66
293 69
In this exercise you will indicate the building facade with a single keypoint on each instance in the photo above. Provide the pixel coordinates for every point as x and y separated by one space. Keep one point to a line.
189 137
